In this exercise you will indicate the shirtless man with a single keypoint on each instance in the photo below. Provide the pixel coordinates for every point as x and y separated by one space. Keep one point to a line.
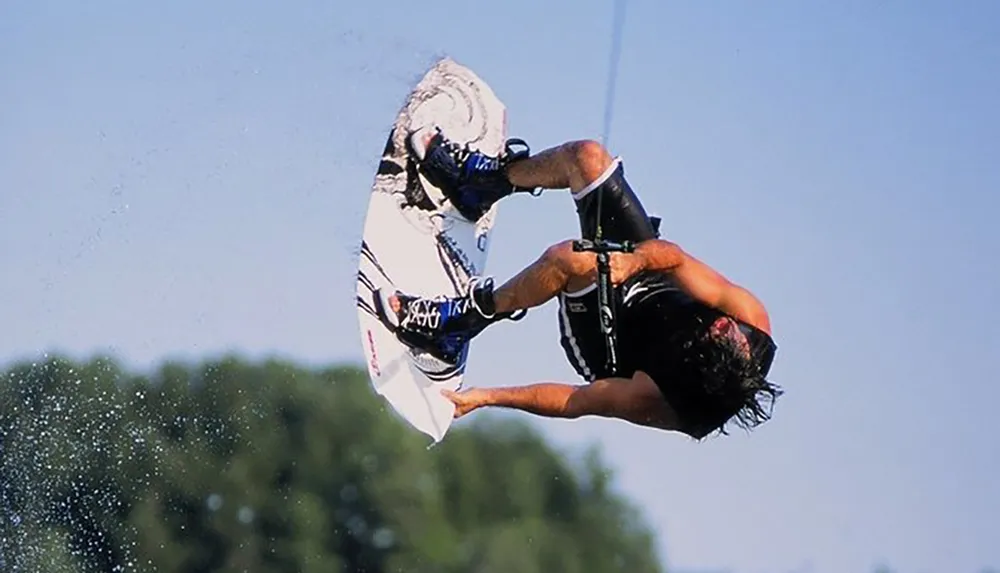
694 349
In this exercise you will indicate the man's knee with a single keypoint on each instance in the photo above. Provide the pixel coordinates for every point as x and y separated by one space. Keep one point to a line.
558 254
589 160
561 255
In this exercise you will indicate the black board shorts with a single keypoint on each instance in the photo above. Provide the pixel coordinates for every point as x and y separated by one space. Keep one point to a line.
623 217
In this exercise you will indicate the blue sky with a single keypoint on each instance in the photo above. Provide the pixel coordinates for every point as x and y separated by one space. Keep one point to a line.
187 178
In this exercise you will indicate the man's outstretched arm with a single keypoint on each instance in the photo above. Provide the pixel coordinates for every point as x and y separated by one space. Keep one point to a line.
636 400
549 399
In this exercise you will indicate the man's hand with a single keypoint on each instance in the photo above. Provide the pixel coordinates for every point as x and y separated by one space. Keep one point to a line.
653 255
659 255
466 400
624 266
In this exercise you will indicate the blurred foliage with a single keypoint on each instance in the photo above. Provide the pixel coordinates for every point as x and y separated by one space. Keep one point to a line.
272 467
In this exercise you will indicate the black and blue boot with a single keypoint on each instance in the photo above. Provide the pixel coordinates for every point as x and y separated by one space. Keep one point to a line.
442 326
471 180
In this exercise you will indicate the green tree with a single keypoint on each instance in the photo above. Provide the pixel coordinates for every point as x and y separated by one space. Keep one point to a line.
271 467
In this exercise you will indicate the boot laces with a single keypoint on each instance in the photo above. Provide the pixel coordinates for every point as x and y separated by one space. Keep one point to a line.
429 313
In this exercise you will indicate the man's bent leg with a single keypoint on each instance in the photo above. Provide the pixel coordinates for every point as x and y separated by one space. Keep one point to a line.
572 165
588 170
535 285
542 280
474 182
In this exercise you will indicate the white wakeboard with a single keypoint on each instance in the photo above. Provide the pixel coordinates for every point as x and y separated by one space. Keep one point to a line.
414 241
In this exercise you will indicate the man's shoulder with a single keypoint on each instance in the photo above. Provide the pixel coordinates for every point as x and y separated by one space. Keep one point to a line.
742 304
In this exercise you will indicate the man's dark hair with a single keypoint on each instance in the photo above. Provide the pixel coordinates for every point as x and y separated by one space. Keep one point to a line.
732 376
713 379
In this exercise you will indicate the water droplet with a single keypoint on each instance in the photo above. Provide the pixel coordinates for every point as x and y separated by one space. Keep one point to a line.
214 502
